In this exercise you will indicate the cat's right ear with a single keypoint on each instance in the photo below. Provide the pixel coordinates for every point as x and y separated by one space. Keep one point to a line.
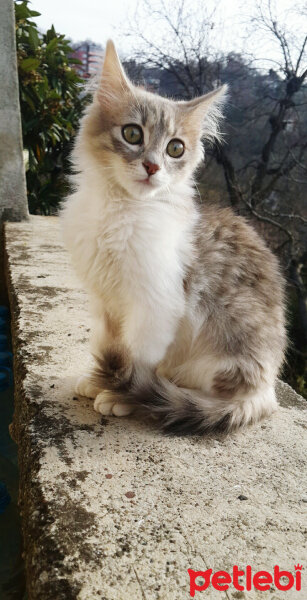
113 82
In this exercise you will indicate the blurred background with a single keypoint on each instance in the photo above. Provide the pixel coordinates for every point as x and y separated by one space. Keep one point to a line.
183 49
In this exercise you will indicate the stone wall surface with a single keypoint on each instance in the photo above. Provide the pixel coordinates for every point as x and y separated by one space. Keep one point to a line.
111 509
13 198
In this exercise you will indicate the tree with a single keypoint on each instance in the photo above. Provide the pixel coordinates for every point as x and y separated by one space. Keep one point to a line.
186 43
276 173
264 158
51 105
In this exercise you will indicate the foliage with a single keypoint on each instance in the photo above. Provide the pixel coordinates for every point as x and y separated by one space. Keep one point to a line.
51 104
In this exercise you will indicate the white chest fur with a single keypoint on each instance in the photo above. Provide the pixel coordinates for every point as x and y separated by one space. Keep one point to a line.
132 257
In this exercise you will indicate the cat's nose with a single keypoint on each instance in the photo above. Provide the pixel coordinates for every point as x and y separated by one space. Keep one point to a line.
150 168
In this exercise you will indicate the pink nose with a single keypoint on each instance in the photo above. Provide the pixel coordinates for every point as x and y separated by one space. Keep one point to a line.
150 167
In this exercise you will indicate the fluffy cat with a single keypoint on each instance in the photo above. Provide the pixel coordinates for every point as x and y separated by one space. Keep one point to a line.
187 301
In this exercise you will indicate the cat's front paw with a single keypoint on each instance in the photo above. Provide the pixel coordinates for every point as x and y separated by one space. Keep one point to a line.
84 387
106 404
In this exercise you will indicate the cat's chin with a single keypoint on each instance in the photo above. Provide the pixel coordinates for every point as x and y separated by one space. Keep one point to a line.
143 188
149 189
147 186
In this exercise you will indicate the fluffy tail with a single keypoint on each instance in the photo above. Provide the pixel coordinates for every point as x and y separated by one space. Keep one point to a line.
183 411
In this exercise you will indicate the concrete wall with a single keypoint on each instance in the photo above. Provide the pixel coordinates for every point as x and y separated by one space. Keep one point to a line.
112 509
13 197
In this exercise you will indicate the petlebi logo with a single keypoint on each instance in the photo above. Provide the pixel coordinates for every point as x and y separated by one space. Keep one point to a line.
245 579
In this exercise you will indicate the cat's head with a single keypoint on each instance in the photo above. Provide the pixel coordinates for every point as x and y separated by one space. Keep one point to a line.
141 141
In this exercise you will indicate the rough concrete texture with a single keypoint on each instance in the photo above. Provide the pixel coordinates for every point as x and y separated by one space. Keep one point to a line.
13 198
112 509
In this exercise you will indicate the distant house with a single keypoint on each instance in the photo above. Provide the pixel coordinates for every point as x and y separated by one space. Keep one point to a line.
90 55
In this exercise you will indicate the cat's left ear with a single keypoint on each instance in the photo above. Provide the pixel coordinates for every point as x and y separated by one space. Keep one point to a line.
114 81
204 113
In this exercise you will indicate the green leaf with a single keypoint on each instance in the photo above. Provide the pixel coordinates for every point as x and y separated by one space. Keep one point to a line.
33 37
29 64
34 13
51 45
22 11
75 61
26 98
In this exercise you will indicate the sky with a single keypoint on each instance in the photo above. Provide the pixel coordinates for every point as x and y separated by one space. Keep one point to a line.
100 19
97 20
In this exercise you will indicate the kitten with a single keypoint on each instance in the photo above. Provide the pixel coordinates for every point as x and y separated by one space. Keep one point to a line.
187 302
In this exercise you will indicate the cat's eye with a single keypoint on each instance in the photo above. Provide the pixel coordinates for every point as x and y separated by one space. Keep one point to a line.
133 134
175 148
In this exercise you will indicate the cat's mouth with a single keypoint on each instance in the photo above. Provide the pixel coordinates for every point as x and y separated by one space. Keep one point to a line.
146 181
149 182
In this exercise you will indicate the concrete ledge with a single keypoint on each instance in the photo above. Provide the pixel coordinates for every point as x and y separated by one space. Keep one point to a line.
111 509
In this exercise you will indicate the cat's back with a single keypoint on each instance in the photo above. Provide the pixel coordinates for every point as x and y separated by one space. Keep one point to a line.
232 257
237 288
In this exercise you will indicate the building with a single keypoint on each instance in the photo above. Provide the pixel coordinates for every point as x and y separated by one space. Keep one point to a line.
90 55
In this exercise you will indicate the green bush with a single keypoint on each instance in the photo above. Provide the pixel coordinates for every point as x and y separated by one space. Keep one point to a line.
51 101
